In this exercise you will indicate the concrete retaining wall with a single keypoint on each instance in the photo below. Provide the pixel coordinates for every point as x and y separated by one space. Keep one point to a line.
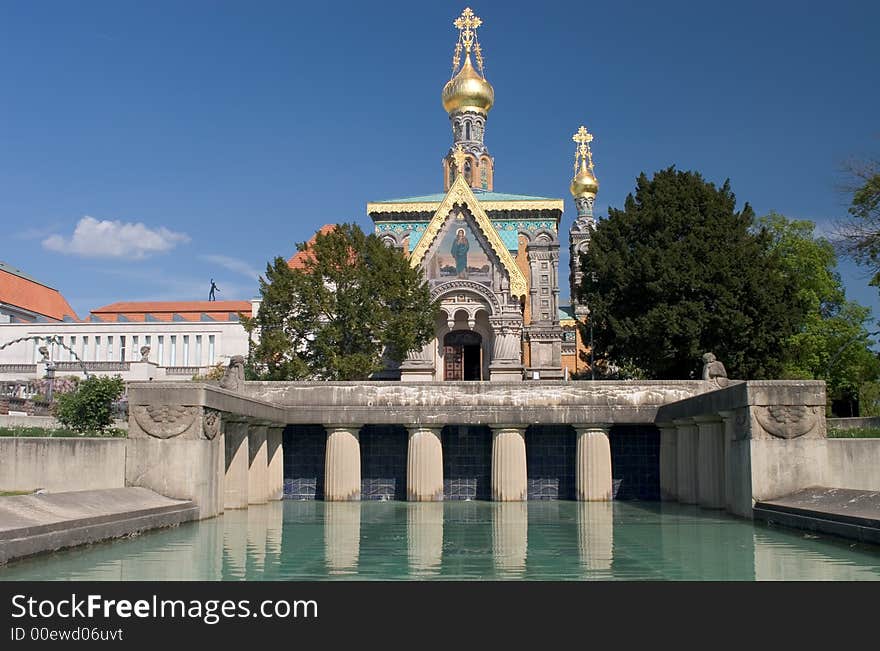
854 423
46 422
61 464
853 463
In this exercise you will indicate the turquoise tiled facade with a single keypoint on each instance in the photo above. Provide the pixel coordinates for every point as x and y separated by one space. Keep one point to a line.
507 229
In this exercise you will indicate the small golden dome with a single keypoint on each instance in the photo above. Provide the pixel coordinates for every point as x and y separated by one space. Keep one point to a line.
468 90
584 184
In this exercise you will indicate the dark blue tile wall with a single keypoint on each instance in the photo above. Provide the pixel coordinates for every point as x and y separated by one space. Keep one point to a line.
383 462
635 462
304 447
467 463
550 462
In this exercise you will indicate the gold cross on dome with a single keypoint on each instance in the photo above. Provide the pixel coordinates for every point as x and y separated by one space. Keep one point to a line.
467 25
583 138
459 157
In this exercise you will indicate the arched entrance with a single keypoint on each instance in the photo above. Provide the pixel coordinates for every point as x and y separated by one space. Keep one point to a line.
462 356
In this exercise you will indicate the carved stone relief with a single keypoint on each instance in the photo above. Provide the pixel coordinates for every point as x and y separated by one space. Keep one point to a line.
211 423
787 421
164 421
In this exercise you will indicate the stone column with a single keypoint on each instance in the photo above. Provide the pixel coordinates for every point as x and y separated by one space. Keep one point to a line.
509 482
419 364
686 466
737 462
275 456
236 489
593 463
424 465
342 465
258 467
668 462
710 461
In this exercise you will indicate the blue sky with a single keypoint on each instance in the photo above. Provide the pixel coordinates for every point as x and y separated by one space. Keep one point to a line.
147 147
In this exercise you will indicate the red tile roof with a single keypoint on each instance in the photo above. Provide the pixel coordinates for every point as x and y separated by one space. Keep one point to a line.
166 310
28 294
299 259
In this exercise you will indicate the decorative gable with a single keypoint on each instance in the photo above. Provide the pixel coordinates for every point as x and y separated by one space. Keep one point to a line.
452 207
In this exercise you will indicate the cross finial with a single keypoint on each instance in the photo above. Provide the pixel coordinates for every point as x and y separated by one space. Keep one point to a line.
467 25
459 157
583 138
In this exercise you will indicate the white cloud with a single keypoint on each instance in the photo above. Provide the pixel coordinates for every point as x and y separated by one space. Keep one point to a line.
232 264
115 239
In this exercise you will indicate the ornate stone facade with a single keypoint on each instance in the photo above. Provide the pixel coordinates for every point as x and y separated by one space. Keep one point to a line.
499 301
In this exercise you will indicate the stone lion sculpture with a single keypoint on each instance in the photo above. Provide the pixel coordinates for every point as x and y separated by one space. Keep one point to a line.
714 371
233 378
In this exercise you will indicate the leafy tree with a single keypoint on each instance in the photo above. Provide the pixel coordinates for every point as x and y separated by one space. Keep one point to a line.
679 272
833 343
90 407
860 235
354 305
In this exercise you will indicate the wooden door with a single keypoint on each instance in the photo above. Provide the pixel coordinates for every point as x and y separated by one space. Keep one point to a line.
453 366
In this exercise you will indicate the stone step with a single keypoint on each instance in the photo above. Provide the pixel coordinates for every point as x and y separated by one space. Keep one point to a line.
33 524
848 513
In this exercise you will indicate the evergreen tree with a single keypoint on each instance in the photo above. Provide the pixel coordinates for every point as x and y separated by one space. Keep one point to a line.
353 305
679 272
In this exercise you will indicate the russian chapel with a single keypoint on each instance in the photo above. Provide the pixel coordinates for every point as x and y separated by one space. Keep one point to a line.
491 258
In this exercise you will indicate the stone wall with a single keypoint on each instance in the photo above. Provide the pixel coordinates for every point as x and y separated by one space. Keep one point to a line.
61 464
853 463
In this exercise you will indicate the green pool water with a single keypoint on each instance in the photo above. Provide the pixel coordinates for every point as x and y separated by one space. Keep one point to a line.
462 540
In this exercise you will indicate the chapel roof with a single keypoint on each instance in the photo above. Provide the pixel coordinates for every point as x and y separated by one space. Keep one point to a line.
490 201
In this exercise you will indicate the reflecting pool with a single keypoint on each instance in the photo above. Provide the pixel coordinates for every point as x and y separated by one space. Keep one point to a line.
463 540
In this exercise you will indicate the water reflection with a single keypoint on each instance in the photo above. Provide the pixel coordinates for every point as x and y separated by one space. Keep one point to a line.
595 523
463 540
424 535
806 558
342 536
510 537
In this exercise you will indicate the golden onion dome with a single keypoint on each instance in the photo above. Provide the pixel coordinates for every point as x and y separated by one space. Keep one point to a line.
468 90
584 184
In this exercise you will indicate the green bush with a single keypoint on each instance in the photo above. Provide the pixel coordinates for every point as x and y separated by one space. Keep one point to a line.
89 408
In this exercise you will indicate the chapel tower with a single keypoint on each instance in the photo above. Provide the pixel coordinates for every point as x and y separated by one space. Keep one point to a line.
468 97
584 188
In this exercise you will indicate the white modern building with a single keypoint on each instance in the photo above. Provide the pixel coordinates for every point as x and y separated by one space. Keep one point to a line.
184 339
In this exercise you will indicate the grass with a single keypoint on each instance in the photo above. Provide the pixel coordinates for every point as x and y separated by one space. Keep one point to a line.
59 432
11 493
855 433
